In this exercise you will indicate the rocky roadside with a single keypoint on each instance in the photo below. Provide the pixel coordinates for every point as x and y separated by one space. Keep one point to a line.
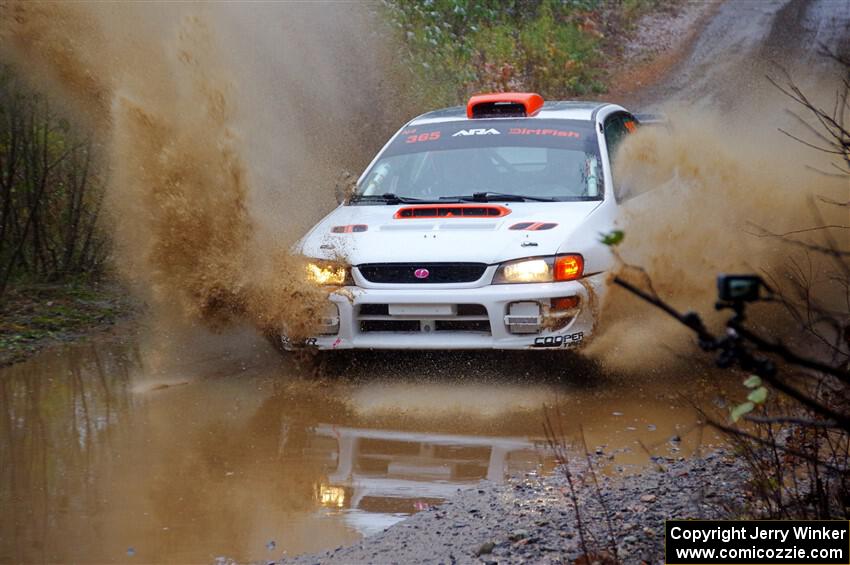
532 520
35 317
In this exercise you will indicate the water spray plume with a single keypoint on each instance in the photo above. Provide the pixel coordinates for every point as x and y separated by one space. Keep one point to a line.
179 184
701 196
196 234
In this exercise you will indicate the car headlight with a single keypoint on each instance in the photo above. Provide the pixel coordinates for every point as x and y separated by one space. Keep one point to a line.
332 496
327 273
540 269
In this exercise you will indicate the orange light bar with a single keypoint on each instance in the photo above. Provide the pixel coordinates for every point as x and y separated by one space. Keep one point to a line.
451 211
489 104
568 267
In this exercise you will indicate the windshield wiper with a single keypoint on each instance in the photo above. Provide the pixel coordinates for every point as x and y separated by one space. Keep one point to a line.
389 198
498 196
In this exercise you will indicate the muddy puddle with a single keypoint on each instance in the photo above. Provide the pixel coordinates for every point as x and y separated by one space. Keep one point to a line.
107 456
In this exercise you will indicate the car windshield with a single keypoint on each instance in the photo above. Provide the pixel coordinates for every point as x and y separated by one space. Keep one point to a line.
495 159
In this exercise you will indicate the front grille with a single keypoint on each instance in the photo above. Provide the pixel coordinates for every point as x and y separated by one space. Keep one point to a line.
414 326
389 326
465 318
437 273
471 310
374 309
462 326
383 310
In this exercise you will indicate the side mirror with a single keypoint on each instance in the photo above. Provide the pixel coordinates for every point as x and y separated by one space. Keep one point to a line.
648 119
345 187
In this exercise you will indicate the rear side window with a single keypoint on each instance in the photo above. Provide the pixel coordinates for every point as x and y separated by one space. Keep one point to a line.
617 127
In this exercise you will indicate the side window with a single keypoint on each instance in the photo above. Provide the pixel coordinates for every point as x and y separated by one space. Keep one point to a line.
616 128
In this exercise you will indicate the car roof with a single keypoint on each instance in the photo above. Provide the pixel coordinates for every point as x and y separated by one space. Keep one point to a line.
557 109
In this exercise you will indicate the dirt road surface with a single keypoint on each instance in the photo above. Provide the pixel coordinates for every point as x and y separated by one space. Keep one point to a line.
743 44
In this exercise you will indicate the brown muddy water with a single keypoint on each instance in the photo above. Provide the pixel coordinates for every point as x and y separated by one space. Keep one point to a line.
109 454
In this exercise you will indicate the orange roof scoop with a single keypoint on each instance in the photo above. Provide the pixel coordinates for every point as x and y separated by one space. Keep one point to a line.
504 105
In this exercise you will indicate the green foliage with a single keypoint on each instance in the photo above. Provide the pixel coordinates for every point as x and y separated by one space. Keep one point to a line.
631 10
32 316
613 238
454 48
741 410
758 396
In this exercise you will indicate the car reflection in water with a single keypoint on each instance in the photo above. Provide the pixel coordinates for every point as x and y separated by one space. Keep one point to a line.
382 476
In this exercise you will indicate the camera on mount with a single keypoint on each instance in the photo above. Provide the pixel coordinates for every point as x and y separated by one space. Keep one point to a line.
739 288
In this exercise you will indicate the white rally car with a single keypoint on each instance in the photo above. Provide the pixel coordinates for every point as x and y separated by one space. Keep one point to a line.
474 228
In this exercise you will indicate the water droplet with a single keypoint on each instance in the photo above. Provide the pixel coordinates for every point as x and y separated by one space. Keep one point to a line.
131 551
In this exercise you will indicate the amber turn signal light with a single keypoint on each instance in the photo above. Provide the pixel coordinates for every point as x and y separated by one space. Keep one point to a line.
568 267
564 303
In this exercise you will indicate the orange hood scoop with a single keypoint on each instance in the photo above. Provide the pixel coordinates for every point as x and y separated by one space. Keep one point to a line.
451 211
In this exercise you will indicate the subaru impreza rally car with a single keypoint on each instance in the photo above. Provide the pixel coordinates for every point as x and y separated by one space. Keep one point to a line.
474 228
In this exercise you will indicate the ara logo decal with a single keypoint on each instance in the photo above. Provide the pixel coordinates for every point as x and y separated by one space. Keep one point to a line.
421 273
477 131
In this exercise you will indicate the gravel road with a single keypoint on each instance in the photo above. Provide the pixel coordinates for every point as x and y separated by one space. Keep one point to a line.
532 520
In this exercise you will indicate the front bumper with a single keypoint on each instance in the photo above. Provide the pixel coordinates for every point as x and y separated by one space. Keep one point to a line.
353 332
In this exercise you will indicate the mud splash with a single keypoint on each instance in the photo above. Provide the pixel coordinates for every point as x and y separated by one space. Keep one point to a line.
708 196
191 227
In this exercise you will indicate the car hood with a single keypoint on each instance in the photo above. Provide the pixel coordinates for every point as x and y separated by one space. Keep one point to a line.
445 239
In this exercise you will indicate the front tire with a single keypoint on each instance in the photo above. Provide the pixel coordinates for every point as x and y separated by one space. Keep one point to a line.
276 340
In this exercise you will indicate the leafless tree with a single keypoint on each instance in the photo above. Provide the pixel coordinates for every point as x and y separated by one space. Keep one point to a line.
50 192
